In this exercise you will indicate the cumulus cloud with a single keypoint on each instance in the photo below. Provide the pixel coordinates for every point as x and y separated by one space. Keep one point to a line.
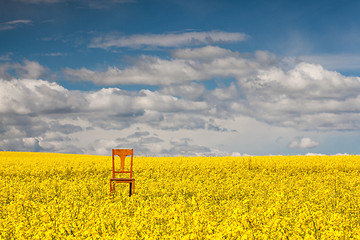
261 86
123 103
167 40
303 96
38 115
28 96
151 70
304 143
148 71
29 69
36 133
203 53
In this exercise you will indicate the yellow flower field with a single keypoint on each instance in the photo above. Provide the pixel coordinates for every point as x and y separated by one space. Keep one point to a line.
64 196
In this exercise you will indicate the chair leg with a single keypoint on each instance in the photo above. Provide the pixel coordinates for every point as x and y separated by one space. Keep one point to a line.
133 187
112 188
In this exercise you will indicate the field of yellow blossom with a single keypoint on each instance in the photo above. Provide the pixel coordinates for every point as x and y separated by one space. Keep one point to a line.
64 196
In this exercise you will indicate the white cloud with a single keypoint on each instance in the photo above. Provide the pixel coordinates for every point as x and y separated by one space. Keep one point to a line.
304 143
203 53
29 69
303 96
156 71
29 96
122 102
168 40
148 71
40 115
14 24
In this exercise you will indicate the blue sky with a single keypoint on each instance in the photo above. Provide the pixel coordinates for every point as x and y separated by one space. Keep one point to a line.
180 77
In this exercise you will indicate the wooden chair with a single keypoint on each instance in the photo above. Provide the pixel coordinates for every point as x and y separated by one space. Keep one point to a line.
122 153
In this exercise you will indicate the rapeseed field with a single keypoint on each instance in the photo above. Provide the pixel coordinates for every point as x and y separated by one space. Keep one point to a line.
64 196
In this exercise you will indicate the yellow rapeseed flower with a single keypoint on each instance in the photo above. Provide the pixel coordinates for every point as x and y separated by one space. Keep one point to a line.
65 196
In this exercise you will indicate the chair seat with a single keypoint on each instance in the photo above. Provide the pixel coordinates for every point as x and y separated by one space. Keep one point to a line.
122 179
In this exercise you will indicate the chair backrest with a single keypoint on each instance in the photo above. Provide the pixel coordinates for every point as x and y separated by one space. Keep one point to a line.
122 153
